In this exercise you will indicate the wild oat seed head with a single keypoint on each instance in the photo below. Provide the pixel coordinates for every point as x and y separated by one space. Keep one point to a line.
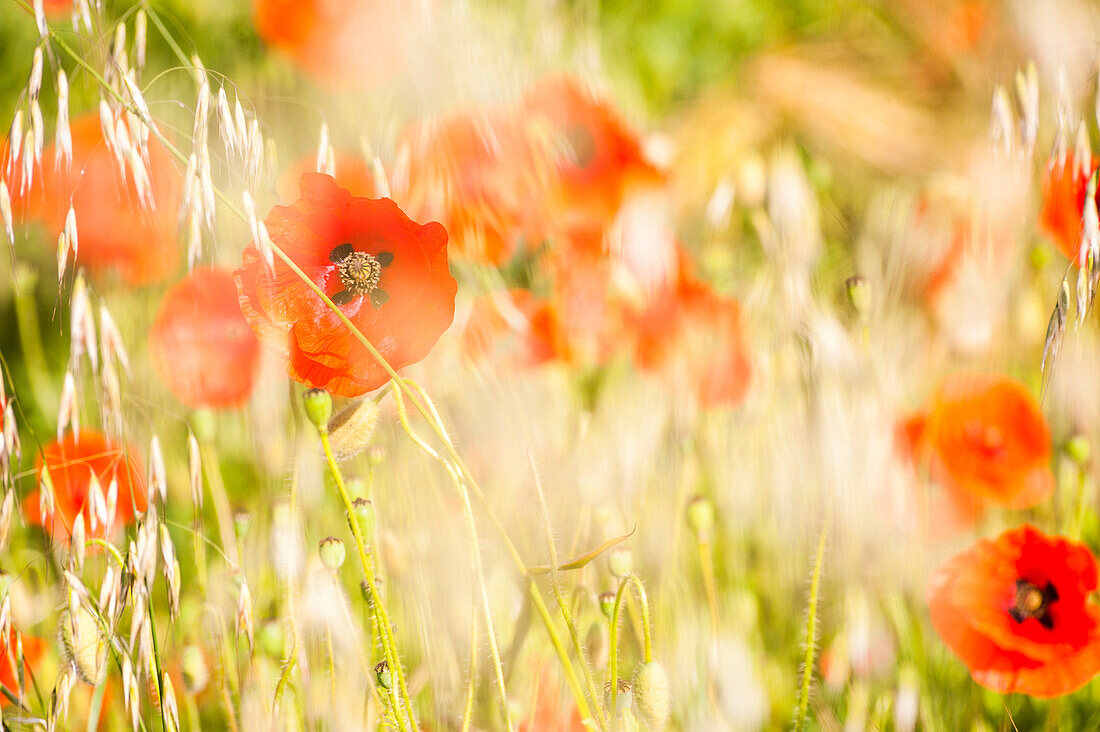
76 544
84 643
15 141
68 413
140 32
5 212
34 81
38 130
63 138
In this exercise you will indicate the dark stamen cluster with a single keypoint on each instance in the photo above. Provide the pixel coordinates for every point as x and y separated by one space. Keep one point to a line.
1032 602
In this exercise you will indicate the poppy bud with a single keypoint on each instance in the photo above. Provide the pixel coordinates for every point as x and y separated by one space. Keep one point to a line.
375 455
332 552
652 696
84 644
242 521
352 430
700 517
383 675
272 639
859 296
318 406
621 562
196 674
1078 448
607 604
364 515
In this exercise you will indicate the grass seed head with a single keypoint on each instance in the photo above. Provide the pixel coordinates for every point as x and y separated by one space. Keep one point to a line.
84 643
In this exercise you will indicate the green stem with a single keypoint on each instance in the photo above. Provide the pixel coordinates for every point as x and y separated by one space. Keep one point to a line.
647 650
559 648
811 626
389 645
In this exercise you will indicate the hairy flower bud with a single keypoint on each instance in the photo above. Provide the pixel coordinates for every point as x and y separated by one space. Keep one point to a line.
352 430
84 643
700 517
652 696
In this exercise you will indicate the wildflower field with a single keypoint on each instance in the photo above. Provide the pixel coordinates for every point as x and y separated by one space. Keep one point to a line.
549 365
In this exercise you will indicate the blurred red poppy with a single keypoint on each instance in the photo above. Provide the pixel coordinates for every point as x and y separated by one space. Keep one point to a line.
341 42
200 343
115 231
693 338
71 463
351 171
33 650
596 156
478 174
388 274
987 441
1016 611
1064 191
516 325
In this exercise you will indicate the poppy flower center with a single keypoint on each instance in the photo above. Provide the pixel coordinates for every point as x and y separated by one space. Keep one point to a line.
359 273
1033 602
987 438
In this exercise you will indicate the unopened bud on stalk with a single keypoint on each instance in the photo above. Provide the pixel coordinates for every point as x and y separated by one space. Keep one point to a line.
621 562
364 514
1078 448
383 675
196 674
332 552
652 695
272 639
700 517
204 424
318 406
607 604
352 430
858 290
84 643
375 455
242 522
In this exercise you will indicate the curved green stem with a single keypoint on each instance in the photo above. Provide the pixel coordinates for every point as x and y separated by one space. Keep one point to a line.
811 626
647 645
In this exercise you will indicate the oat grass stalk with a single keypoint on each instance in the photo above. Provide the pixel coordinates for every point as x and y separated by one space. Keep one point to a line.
811 626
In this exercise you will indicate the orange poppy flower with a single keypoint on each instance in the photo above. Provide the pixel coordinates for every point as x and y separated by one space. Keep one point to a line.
388 274
33 650
351 171
694 337
200 343
478 174
988 442
114 230
71 463
1016 611
596 156
340 42
1064 205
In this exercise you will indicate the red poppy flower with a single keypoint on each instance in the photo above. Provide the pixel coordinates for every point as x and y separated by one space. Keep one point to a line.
71 464
1016 611
1064 191
596 156
350 171
526 330
987 441
340 42
114 230
200 343
694 337
478 174
388 274
33 650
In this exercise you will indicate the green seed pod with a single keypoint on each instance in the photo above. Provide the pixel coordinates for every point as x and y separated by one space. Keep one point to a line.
242 522
351 431
383 675
84 644
621 562
364 514
652 695
272 639
700 517
607 604
332 552
318 406
1078 449
859 296
624 697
